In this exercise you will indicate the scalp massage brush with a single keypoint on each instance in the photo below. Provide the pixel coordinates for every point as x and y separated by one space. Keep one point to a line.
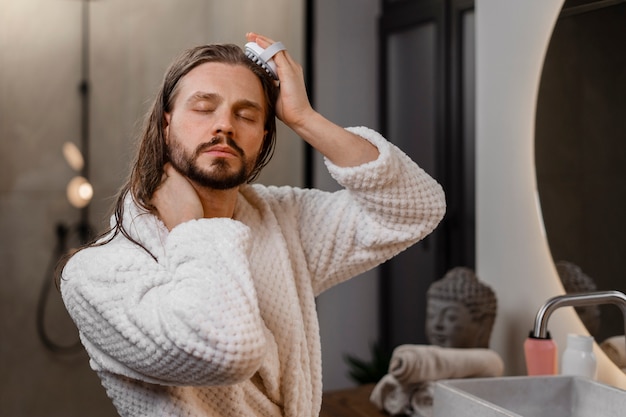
263 57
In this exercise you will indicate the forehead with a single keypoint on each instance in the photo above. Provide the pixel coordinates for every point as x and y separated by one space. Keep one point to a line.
231 81
439 304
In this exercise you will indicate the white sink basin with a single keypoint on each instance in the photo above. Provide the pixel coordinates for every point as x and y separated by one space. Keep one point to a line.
554 396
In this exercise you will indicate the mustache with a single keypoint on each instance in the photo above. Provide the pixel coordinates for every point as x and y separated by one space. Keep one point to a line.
217 140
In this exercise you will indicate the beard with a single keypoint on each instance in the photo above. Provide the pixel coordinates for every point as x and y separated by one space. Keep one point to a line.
220 175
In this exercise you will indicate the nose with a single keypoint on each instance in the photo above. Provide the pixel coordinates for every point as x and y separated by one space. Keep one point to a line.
223 124
438 322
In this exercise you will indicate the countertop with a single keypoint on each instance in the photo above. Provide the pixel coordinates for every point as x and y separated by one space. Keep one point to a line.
352 402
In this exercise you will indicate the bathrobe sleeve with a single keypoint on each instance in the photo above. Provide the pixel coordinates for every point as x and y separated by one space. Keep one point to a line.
386 206
189 319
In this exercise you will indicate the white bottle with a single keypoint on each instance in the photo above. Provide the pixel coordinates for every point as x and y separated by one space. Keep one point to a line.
578 358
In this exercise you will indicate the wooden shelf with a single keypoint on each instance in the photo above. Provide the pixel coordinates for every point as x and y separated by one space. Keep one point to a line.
353 402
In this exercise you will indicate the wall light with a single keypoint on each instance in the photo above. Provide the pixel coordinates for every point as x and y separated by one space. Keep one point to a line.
73 156
79 192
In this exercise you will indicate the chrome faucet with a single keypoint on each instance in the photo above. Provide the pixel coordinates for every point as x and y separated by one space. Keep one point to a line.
540 330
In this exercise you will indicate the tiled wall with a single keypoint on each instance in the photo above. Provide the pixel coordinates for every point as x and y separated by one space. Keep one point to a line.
131 43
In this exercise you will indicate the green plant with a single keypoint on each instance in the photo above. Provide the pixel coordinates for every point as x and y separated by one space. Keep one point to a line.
367 372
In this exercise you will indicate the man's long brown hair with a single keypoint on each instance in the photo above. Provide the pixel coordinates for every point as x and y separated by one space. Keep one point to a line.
152 154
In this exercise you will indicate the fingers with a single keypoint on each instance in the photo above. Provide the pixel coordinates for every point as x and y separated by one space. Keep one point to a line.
175 200
168 171
293 102
170 178
263 41
282 57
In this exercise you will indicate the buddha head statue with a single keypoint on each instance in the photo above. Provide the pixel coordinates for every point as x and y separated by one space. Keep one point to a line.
576 281
461 310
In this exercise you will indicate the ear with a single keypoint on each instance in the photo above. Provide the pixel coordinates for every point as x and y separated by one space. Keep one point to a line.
166 126
483 334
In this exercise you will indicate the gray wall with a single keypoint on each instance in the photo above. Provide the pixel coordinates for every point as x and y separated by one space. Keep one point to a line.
346 74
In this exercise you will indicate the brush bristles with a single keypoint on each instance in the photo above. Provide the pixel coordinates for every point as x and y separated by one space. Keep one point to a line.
257 60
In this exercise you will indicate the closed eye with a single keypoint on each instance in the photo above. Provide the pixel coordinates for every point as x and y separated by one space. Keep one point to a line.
248 115
203 107
203 102
249 110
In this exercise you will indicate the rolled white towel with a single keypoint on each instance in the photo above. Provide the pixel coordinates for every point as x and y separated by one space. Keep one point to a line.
412 364
615 349
396 399
390 395
421 399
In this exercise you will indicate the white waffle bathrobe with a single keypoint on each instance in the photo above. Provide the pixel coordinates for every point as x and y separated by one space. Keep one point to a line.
224 322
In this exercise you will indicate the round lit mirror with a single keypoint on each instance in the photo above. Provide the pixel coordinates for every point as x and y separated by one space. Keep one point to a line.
580 153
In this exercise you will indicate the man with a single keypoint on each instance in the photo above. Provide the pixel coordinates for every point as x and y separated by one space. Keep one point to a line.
201 299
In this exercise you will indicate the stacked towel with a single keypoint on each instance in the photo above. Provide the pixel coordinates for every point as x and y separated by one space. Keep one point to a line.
418 363
408 387
398 399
